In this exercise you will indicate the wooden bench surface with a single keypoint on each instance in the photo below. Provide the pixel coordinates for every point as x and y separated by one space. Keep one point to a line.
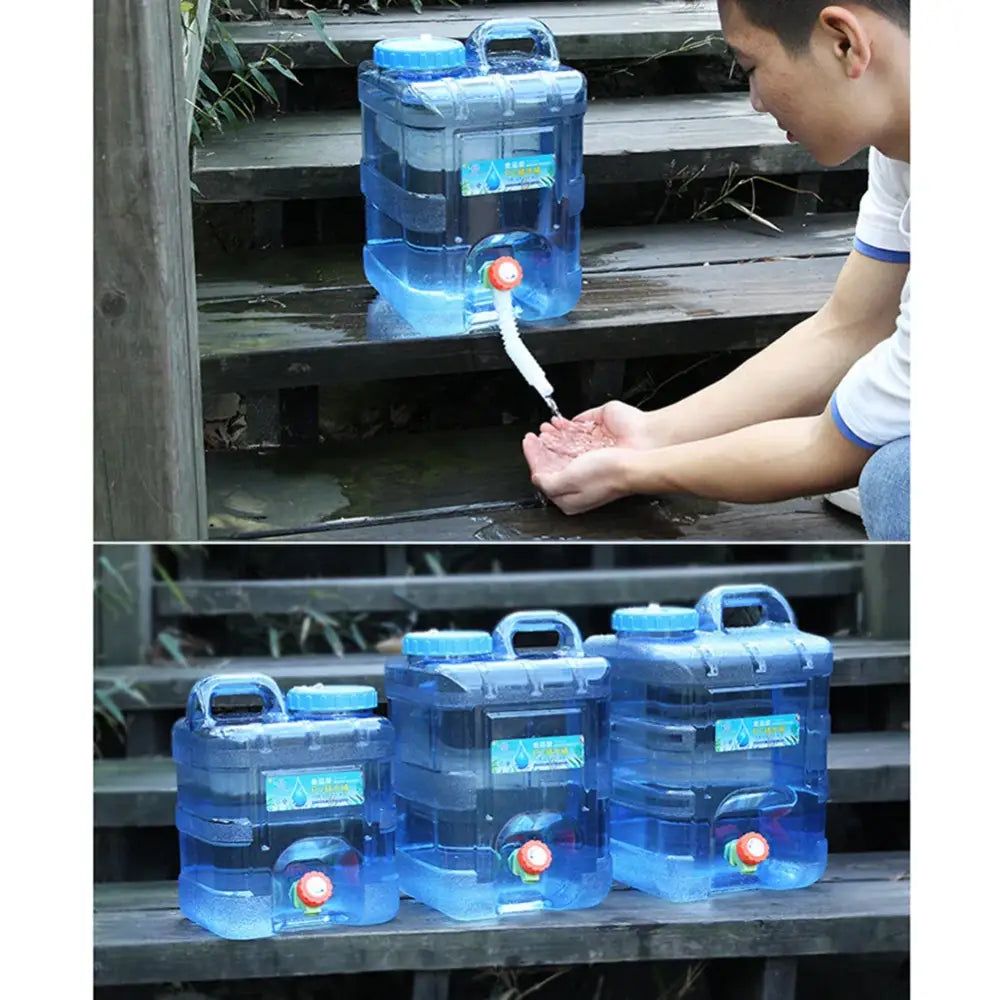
142 791
403 485
861 906
607 29
858 662
316 154
501 591
288 318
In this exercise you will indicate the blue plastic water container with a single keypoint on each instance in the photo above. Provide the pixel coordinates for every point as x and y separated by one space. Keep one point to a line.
502 770
285 815
470 154
719 738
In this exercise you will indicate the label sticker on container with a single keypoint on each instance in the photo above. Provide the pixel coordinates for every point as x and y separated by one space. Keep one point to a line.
288 792
756 733
549 753
518 174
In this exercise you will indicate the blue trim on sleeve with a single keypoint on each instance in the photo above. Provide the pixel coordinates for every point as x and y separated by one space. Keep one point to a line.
845 430
891 256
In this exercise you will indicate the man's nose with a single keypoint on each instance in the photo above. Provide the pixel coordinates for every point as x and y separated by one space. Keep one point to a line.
755 100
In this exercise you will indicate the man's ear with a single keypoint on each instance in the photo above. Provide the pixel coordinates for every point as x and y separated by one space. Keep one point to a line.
847 38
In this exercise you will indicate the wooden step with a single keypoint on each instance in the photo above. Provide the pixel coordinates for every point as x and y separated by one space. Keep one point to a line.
142 791
857 662
501 591
605 29
468 485
279 319
860 906
316 155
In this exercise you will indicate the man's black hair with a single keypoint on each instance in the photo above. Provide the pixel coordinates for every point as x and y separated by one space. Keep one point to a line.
793 20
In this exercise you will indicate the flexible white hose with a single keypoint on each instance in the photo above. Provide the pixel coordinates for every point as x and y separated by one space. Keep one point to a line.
524 362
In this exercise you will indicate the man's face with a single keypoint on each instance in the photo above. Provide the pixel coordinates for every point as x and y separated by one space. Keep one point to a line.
805 93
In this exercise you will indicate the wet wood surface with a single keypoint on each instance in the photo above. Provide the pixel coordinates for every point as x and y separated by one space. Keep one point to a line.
860 907
606 29
316 154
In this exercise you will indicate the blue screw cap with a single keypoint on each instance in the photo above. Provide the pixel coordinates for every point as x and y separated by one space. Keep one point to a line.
426 53
655 618
331 698
452 643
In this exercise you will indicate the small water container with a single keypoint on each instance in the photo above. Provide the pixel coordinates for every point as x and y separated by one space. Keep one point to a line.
719 738
502 769
470 154
285 815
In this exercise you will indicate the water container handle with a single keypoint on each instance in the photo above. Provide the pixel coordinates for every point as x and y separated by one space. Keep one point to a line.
775 609
570 640
199 704
477 46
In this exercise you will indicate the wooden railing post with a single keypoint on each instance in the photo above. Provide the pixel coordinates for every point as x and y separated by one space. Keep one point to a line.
149 464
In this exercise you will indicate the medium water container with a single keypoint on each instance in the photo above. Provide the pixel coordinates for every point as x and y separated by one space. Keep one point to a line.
470 154
502 770
719 738
285 815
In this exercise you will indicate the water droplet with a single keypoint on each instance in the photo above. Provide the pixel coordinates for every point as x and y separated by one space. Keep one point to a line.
493 179
521 759
299 795
743 736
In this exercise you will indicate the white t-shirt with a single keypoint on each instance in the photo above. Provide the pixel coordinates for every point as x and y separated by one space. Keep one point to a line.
871 406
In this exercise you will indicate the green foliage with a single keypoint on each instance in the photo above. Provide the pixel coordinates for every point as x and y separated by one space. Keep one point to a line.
230 101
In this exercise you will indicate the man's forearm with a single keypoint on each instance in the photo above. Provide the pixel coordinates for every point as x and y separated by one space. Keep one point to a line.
797 374
763 463
793 377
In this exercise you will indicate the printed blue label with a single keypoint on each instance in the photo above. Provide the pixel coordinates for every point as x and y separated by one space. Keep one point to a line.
288 792
550 753
518 174
755 733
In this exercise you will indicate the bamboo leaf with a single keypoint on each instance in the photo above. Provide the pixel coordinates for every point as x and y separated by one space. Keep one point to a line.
109 707
112 571
173 647
283 70
317 22
333 640
358 637
207 81
175 591
264 83
274 641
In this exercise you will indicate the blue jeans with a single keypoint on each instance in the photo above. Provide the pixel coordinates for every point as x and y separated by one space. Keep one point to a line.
885 493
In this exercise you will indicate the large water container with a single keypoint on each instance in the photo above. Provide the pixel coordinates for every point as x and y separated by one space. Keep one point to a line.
719 738
285 814
502 769
470 154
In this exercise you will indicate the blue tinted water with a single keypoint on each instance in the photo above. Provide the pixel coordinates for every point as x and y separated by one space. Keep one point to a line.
678 798
251 824
471 792
431 224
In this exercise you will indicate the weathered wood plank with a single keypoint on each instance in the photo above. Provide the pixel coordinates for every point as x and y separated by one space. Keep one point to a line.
123 603
829 917
610 29
561 588
255 274
857 662
886 596
142 791
148 458
136 897
328 337
316 154
808 519
470 485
